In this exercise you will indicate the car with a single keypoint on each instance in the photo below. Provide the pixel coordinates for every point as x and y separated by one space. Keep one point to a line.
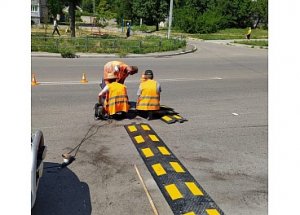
38 154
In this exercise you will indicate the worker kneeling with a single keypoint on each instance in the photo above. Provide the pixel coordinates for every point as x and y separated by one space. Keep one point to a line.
116 100
148 95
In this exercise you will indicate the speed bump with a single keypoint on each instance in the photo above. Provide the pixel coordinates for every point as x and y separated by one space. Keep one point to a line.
168 119
169 116
183 193
173 118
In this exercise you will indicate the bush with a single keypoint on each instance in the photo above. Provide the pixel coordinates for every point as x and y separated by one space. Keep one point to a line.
142 28
67 53
208 22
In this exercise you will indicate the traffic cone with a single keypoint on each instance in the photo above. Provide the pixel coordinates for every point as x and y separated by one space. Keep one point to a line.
33 82
83 80
143 79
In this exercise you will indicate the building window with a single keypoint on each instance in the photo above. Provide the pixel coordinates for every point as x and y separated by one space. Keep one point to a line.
34 8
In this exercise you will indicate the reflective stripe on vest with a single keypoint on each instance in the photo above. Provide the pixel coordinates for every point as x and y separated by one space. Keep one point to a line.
149 99
117 99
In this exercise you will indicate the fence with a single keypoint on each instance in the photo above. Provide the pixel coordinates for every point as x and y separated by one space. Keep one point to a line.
100 45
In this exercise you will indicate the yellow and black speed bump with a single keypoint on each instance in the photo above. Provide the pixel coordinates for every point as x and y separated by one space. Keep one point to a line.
170 116
182 192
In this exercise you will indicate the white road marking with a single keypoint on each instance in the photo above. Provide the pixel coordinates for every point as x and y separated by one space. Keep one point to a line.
129 81
189 79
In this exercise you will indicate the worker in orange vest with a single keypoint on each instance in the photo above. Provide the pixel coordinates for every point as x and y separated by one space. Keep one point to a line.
120 69
148 95
116 96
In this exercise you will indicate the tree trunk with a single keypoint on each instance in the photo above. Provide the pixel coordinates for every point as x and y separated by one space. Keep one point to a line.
72 17
157 26
258 21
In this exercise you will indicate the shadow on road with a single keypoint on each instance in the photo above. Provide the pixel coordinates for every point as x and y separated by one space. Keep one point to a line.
61 192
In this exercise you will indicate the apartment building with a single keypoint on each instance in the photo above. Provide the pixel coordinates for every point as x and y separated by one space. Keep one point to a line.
39 11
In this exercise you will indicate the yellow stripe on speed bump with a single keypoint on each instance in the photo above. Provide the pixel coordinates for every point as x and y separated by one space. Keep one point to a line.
212 212
173 191
166 118
153 138
176 167
147 152
177 117
159 170
132 128
139 139
194 189
145 127
163 150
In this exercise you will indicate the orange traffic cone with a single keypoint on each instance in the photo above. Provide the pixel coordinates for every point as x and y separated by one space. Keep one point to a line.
83 80
143 79
33 82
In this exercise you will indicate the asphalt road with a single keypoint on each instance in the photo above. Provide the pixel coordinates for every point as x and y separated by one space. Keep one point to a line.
223 92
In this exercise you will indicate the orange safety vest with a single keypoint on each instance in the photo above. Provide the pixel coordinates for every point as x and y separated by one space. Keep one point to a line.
116 99
149 99
110 68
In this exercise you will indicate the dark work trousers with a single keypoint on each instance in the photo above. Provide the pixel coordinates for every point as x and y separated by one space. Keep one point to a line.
55 29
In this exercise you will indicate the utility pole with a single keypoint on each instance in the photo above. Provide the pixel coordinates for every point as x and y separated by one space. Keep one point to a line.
170 18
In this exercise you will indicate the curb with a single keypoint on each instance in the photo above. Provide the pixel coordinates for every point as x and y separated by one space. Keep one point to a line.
247 46
231 43
191 48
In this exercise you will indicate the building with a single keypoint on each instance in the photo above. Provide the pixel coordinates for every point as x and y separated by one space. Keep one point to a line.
39 11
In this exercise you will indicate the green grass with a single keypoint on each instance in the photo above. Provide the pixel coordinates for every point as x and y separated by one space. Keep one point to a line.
253 43
116 42
104 44
230 34
226 34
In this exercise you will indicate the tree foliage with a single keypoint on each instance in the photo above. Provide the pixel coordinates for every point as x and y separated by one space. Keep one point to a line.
151 11
103 10
87 6
123 10
208 16
55 7
191 16
261 13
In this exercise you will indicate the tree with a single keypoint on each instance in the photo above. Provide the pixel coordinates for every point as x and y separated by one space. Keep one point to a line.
123 10
188 12
184 18
152 11
87 6
55 7
261 12
237 13
72 8
104 10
